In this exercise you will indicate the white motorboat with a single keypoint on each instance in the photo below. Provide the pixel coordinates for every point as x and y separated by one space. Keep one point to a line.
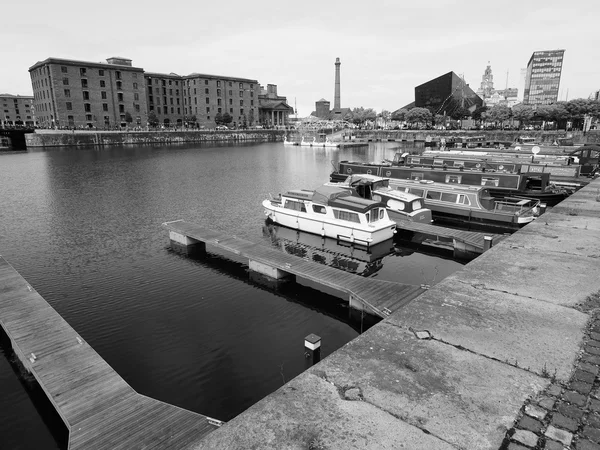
332 212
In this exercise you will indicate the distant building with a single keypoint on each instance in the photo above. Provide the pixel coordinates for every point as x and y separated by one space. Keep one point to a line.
543 77
273 109
70 93
322 107
486 89
445 94
17 110
491 96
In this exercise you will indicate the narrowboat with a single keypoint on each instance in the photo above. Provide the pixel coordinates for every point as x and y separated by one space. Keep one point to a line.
465 204
502 182
332 212
400 205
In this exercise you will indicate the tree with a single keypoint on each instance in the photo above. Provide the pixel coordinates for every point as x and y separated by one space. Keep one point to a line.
244 121
152 119
498 113
219 119
522 113
440 119
399 114
419 115
128 118
478 113
227 118
460 113
251 117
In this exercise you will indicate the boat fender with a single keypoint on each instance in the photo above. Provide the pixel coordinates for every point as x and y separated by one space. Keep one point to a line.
348 170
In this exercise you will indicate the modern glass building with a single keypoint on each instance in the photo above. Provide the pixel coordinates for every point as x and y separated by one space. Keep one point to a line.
444 94
543 77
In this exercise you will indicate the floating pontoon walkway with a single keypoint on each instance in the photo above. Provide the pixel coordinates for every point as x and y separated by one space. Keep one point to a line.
469 241
100 410
377 296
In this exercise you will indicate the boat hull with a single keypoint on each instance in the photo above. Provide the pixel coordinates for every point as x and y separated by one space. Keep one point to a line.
332 228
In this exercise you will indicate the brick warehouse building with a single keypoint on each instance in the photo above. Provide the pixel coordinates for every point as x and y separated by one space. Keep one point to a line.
17 110
70 93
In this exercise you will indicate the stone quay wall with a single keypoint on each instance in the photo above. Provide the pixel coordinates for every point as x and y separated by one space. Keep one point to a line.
87 138
546 137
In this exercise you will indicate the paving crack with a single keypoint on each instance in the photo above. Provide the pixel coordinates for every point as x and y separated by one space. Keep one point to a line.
428 335
355 393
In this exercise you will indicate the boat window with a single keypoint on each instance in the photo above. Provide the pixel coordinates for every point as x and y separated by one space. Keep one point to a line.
449 197
381 213
395 204
296 206
454 179
415 160
416 176
433 195
346 215
490 181
373 216
415 191
318 209
416 204
463 200
438 162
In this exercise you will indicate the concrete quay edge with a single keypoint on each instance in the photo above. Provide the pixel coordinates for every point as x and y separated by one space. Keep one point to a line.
455 368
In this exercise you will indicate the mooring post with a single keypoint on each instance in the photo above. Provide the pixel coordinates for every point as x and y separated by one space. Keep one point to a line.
487 242
312 349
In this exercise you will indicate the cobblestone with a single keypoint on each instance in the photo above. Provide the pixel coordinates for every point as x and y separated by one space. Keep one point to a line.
547 403
575 412
586 445
581 387
515 446
567 423
529 423
553 445
592 433
593 343
535 411
559 435
582 375
591 359
595 405
525 437
554 390
595 335
575 398
591 350
589 368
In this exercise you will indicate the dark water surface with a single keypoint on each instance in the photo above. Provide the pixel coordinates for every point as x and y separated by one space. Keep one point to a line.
83 226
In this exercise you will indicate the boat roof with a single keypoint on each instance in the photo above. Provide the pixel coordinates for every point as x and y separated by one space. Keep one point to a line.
428 184
334 196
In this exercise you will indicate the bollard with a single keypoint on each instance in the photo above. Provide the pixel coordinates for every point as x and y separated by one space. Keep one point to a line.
487 242
543 207
312 349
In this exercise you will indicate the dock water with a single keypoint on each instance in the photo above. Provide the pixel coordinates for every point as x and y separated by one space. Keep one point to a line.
99 408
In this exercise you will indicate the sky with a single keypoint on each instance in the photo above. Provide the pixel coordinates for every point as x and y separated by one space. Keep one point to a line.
386 48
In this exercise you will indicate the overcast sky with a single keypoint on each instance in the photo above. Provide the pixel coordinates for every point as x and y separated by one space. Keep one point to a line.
386 47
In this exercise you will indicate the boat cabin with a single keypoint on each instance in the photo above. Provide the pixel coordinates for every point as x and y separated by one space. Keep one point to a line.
589 158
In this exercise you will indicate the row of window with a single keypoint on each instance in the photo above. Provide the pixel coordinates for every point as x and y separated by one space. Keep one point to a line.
85 84
103 95
88 107
187 83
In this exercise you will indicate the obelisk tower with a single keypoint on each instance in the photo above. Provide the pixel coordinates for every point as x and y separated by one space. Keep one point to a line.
336 99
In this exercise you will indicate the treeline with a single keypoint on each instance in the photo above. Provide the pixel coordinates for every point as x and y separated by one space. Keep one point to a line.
574 111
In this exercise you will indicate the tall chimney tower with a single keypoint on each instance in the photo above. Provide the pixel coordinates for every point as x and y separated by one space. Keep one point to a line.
336 99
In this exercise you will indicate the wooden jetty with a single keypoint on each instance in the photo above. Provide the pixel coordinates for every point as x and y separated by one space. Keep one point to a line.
378 297
100 410
463 243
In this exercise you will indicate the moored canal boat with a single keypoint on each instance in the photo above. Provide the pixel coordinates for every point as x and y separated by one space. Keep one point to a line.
471 204
502 179
400 205
332 212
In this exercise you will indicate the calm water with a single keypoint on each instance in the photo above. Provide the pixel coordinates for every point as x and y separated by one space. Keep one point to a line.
83 226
